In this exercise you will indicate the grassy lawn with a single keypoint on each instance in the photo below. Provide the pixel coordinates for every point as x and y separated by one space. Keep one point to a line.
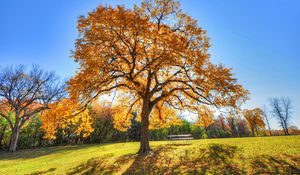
278 155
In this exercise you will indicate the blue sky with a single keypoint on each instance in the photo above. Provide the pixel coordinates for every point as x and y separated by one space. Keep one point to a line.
259 39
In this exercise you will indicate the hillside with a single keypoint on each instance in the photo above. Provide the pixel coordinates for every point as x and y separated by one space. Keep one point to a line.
216 156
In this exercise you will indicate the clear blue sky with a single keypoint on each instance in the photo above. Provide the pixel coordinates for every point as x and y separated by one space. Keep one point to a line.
259 39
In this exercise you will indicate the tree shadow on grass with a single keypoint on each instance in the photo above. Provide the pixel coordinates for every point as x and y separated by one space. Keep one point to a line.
102 165
266 164
215 159
170 159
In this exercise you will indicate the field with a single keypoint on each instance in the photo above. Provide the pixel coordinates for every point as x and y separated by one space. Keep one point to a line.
260 155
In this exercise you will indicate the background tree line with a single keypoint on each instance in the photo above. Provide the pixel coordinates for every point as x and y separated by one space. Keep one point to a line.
24 95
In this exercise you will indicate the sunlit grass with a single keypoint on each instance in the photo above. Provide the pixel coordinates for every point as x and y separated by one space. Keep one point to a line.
234 155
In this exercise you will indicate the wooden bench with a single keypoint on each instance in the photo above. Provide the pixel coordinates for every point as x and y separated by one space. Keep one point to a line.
186 138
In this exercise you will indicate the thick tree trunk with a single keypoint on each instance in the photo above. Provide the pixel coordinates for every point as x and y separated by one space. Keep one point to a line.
14 139
144 143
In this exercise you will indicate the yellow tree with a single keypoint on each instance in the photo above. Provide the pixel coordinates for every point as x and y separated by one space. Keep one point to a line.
205 117
255 119
156 55
66 114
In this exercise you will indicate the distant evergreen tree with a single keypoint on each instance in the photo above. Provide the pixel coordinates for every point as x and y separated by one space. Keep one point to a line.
134 132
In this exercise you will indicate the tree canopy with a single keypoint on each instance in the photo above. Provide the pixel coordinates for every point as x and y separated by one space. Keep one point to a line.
155 56
255 119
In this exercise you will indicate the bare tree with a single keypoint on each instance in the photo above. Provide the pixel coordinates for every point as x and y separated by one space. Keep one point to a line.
287 111
277 111
281 109
24 94
267 119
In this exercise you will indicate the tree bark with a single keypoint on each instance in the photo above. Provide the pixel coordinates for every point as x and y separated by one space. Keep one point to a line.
144 143
14 139
268 124
286 128
282 123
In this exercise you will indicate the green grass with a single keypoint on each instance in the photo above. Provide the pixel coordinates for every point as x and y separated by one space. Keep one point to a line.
278 155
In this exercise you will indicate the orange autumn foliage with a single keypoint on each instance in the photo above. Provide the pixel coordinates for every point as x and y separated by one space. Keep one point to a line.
162 116
205 117
255 119
65 114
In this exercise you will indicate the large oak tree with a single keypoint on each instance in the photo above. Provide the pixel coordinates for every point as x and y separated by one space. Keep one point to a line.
156 56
